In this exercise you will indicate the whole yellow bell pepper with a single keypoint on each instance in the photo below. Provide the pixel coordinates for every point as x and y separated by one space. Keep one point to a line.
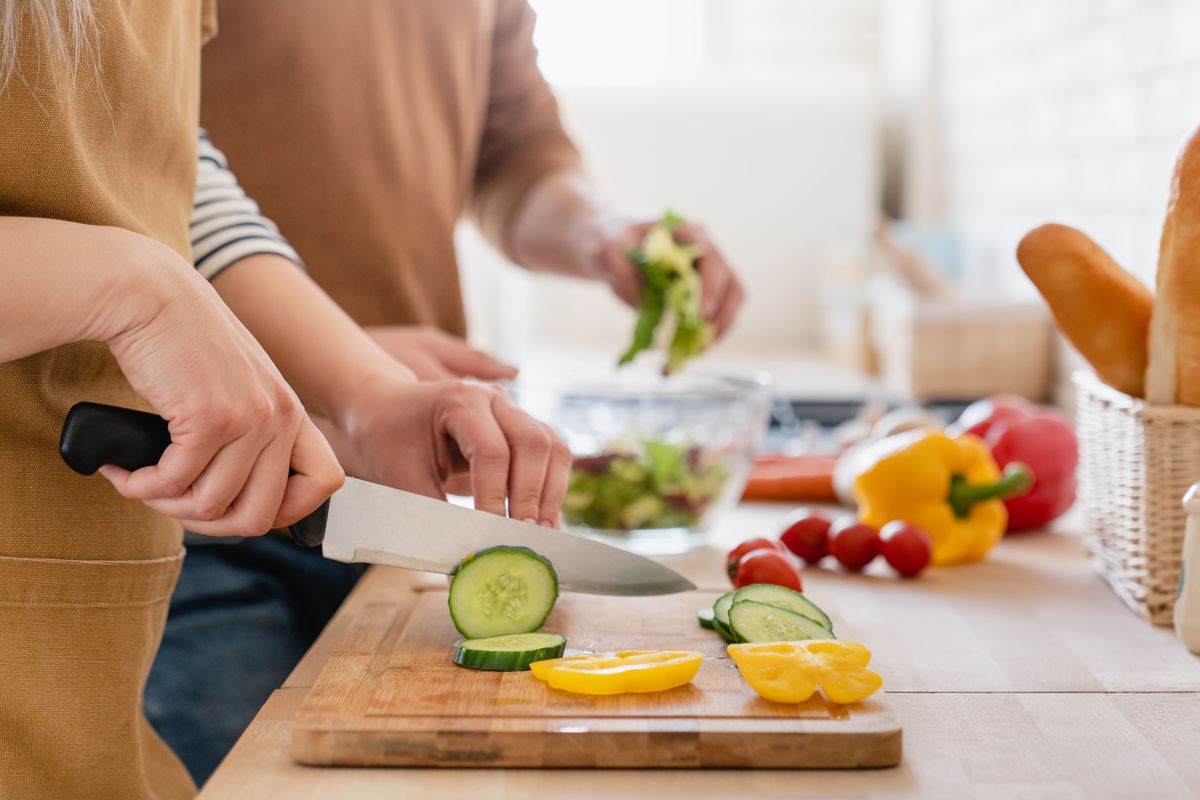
951 488
790 672
622 672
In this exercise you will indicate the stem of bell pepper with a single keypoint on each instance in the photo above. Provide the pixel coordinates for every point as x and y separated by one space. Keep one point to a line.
1017 479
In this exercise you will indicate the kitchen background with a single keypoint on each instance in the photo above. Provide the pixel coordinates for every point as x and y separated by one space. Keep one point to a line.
790 126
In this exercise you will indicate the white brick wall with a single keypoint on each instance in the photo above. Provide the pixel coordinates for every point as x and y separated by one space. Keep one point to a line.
1064 110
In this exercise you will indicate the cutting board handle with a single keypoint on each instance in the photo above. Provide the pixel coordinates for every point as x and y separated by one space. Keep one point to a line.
94 435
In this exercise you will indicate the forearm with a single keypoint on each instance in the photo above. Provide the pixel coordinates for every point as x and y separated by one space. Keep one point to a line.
561 225
67 282
325 356
320 351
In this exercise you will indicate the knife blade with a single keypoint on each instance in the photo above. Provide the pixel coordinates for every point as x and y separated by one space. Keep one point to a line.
380 525
367 522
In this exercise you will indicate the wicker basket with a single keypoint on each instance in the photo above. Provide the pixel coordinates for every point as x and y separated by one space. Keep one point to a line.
1136 461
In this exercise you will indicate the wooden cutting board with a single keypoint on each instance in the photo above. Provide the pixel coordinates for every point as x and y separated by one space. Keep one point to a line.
390 696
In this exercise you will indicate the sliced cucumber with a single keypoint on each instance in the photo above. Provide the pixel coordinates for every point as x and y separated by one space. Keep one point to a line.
502 590
721 608
721 616
752 621
724 631
785 598
511 652
705 617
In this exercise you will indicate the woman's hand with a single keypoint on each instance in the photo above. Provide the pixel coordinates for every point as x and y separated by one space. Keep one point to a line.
389 427
236 426
424 437
433 354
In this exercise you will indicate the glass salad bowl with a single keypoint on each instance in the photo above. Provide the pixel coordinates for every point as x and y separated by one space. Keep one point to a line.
656 459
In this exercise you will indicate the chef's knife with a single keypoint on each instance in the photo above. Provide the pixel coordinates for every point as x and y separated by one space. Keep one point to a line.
367 522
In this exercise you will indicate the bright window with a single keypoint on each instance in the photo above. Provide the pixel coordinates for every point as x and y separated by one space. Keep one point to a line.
647 42
619 42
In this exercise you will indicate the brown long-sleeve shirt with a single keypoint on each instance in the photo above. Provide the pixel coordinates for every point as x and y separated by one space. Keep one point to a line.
365 129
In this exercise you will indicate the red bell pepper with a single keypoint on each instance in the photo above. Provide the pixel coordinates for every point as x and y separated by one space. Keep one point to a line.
1042 439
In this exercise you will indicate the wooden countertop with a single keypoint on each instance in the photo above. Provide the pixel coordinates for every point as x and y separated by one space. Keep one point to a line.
1022 676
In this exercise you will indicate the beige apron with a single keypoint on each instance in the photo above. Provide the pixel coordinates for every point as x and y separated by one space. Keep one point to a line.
84 574
84 581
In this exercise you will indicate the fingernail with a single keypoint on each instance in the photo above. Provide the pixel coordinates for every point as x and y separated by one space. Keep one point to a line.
546 523
530 520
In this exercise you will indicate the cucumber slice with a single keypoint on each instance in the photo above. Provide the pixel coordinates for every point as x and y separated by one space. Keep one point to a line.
752 621
785 598
705 617
724 631
721 608
502 590
512 652
721 616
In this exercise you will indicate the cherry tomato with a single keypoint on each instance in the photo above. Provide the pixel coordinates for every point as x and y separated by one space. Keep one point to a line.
853 543
808 536
767 566
731 560
906 547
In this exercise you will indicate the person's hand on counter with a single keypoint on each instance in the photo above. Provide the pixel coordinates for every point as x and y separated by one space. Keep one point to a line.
433 354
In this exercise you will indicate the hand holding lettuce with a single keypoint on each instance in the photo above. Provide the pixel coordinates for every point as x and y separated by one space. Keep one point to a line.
670 287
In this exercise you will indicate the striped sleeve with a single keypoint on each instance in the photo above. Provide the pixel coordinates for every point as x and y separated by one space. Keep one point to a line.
226 225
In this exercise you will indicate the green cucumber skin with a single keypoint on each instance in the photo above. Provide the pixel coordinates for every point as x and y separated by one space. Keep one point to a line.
802 626
465 655
721 607
464 627
721 616
705 617
785 598
724 632
501 548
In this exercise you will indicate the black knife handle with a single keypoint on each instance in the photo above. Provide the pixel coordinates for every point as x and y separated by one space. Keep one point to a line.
94 435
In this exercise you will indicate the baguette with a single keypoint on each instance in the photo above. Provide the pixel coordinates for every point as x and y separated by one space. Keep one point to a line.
1101 309
1173 375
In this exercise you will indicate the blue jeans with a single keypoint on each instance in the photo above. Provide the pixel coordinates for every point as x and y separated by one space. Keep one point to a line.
243 614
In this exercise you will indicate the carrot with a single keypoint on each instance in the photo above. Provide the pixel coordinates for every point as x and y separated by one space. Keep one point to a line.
791 478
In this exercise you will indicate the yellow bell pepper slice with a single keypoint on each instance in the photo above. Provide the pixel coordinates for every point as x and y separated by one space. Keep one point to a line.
847 686
779 671
625 671
790 672
840 651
